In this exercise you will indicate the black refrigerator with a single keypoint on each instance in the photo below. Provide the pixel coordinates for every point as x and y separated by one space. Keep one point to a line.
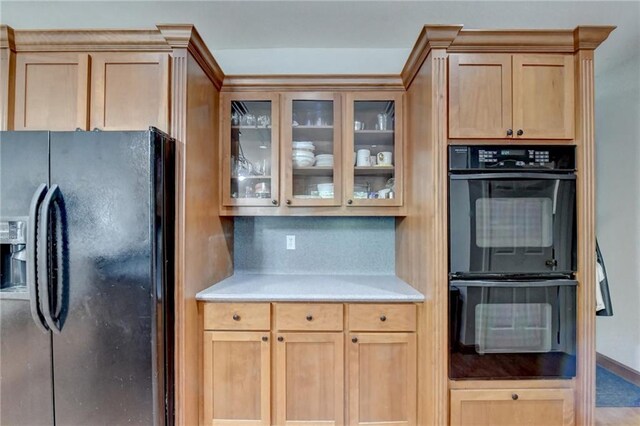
87 278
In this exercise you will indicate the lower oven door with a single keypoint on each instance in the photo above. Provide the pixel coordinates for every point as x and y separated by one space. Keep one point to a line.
512 329
511 223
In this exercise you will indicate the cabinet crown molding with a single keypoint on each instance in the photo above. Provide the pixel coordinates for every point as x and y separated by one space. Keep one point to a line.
7 38
186 36
590 37
306 82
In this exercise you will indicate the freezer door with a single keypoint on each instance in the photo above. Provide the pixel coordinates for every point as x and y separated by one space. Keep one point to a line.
26 387
106 363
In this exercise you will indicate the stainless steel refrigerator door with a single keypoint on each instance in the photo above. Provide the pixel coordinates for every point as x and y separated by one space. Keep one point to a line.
105 359
26 387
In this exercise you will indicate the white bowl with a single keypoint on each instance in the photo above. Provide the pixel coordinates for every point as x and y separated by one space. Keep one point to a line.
303 152
303 145
325 187
302 163
324 157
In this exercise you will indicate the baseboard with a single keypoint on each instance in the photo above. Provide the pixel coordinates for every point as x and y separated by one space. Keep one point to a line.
621 370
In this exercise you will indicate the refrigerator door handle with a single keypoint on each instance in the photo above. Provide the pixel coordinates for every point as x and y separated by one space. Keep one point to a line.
32 278
43 261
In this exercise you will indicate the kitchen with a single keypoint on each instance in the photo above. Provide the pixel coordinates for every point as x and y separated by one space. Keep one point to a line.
312 216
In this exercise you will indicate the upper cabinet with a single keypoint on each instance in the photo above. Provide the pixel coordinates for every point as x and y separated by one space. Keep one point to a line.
311 152
250 149
373 149
509 96
106 91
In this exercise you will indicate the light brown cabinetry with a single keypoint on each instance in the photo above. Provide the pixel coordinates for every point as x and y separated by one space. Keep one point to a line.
322 372
237 378
309 378
512 407
513 96
130 91
52 91
107 91
381 369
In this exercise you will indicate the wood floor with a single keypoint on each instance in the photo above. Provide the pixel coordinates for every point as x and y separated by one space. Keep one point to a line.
617 416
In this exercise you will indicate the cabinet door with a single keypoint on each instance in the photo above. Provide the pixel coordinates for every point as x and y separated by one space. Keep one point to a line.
51 91
512 407
250 149
130 91
310 378
373 153
236 378
479 95
311 149
543 96
382 379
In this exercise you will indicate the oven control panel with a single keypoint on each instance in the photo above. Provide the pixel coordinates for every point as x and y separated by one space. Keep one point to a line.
507 157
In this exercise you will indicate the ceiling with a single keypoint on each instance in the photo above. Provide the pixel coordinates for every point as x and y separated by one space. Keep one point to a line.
329 37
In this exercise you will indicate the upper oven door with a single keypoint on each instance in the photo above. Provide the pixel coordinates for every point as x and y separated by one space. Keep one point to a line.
511 223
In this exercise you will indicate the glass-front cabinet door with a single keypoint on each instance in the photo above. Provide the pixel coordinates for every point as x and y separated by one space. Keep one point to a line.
250 149
311 154
373 149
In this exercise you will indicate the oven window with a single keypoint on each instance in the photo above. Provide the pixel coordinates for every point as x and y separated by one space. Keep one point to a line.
514 222
513 327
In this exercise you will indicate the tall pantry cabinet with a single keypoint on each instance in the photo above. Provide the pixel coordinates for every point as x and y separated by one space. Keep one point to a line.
129 80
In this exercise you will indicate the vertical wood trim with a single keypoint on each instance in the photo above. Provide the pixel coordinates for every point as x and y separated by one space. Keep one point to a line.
439 273
84 97
585 193
184 407
7 87
206 416
165 107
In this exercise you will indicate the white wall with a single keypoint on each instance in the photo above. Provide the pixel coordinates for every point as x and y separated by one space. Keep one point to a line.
618 205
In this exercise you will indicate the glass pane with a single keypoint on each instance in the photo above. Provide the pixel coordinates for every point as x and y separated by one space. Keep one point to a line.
312 149
374 136
251 149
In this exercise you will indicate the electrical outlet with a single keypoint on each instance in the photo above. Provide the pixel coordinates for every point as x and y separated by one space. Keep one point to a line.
291 242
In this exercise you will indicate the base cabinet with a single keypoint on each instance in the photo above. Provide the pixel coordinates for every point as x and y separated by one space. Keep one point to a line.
382 378
512 407
309 379
237 378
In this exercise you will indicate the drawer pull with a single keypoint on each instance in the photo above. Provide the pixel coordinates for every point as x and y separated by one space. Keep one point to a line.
383 318
265 339
280 339
514 396
236 317
309 317
354 340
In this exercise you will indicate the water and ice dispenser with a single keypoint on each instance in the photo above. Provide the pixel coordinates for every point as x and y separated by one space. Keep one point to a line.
13 254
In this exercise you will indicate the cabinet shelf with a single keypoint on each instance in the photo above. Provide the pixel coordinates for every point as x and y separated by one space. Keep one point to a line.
375 170
374 137
313 171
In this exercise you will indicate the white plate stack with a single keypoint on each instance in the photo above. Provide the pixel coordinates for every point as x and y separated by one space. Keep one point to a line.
302 154
324 160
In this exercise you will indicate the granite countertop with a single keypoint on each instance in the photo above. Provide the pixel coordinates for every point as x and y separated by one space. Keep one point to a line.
244 287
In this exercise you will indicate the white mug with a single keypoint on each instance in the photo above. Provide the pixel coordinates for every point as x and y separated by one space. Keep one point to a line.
385 158
363 158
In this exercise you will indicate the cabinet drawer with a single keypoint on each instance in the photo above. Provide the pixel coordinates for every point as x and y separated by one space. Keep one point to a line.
237 316
387 317
309 317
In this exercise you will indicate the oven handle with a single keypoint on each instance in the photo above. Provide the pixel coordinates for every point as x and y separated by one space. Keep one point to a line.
568 176
513 284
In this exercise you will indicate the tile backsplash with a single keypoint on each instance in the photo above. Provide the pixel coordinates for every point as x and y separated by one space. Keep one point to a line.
324 245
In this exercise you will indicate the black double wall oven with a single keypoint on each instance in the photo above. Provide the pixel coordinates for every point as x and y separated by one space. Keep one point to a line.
512 262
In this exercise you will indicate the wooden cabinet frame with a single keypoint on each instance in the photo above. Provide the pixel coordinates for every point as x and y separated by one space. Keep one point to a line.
225 138
349 145
287 139
24 60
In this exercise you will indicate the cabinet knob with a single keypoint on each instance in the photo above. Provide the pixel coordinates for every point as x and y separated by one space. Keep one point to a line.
509 132
288 202
274 202
309 317
265 339
354 340
349 201
514 396
383 318
520 132
236 317
280 339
